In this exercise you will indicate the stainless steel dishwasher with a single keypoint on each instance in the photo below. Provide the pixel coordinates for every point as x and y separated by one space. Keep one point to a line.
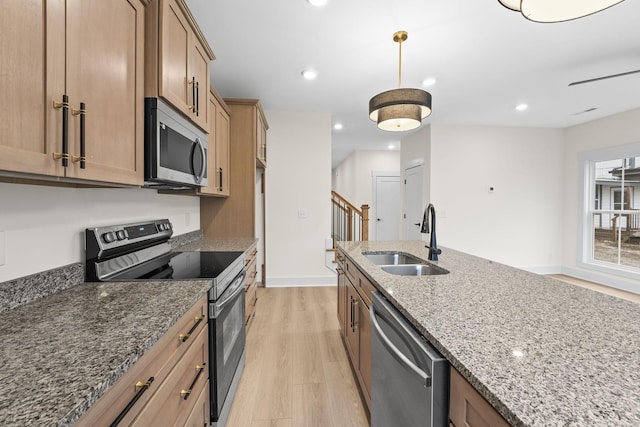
410 379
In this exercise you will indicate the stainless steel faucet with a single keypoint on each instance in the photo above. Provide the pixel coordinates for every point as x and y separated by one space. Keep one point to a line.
433 246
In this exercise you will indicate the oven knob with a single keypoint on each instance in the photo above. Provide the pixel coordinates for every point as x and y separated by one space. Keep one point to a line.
120 235
109 237
161 227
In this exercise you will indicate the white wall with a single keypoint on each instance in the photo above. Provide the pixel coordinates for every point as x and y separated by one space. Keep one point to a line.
619 129
42 227
521 222
353 178
415 150
298 177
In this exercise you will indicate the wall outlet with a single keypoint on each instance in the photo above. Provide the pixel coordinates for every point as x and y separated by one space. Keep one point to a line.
2 248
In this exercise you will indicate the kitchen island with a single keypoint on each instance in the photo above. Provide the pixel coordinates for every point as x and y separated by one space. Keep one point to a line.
540 351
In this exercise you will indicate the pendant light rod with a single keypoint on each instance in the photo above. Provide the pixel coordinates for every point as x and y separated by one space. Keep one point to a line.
399 37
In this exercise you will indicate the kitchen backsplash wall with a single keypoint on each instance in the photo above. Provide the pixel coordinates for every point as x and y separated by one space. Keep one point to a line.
42 227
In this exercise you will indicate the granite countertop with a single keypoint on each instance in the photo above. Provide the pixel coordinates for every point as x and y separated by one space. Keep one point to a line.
219 245
60 353
580 363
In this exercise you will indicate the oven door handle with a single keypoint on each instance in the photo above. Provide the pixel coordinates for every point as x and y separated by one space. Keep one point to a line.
235 288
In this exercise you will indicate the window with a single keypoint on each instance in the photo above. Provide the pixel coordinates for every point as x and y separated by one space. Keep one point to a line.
611 217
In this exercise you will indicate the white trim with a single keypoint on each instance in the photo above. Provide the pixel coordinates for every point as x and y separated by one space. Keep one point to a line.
552 269
413 163
603 279
286 282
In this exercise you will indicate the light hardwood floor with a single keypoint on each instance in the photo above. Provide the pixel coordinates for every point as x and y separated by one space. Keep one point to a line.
597 287
297 372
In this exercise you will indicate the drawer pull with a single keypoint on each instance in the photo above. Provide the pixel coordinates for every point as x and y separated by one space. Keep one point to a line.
186 393
141 387
184 337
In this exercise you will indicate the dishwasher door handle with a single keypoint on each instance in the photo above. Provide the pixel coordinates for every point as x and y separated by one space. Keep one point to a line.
397 354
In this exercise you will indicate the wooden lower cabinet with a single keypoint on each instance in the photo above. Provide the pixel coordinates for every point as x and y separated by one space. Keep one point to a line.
200 414
251 284
342 293
467 408
155 387
356 330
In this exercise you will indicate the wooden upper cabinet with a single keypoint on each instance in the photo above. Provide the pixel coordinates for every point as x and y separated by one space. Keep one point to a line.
177 60
218 153
92 52
105 41
261 139
222 146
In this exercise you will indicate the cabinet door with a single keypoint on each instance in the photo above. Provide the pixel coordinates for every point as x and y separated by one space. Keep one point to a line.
342 298
222 152
105 42
365 350
199 76
174 61
261 142
212 171
31 79
353 326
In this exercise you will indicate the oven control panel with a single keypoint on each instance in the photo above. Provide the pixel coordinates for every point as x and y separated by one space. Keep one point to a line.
116 236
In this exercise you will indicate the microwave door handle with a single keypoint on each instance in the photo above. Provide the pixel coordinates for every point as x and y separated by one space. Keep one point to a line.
204 161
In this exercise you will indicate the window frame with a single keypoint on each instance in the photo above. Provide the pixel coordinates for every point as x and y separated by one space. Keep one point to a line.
587 210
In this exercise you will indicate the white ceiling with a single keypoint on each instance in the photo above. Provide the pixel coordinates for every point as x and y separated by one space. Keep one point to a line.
486 59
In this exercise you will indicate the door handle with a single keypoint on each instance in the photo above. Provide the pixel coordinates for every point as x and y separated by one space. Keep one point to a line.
395 352
418 224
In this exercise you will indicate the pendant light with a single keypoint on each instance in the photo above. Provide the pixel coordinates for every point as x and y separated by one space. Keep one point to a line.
557 10
403 108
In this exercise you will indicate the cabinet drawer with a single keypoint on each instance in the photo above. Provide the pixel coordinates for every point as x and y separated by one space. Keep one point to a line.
365 288
250 255
155 363
468 408
180 390
351 270
199 415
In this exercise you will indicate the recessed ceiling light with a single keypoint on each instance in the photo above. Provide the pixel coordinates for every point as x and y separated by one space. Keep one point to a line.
309 74
430 81
391 146
338 126
317 3
521 107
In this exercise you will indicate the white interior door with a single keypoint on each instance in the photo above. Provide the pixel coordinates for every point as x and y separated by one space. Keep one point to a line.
387 207
413 204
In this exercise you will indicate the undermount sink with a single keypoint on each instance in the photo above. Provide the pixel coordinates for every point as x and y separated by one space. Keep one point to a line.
403 264
414 270
391 258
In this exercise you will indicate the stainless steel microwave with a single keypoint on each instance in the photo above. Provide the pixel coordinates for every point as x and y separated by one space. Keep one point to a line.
175 150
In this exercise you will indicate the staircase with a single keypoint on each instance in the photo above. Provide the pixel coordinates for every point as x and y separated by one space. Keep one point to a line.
348 223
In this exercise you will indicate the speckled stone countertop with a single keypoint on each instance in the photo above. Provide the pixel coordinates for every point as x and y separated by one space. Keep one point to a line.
59 354
581 349
219 245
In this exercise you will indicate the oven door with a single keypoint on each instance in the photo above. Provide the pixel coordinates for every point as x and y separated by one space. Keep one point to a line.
226 341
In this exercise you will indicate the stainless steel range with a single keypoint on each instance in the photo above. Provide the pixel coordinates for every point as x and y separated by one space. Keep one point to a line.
140 251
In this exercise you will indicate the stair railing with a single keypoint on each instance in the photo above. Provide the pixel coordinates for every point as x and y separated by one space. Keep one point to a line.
348 223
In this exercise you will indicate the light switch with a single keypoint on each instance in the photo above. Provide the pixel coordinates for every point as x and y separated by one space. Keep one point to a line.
302 214
2 249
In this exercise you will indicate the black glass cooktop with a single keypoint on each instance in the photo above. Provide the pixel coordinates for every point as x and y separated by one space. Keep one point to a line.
181 266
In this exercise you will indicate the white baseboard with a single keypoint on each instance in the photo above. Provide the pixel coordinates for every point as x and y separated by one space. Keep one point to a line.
552 269
285 282
603 279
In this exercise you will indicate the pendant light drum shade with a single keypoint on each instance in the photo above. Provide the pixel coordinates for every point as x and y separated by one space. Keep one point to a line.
400 109
557 10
